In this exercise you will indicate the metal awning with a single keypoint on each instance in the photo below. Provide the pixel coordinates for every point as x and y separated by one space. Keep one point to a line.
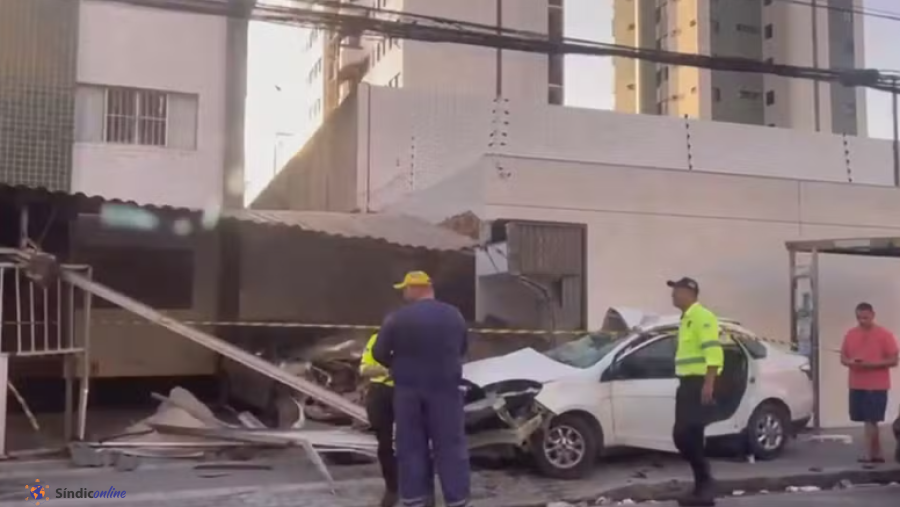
872 247
397 230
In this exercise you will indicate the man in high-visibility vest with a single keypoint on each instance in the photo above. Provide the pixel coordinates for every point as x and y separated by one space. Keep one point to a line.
698 363
380 410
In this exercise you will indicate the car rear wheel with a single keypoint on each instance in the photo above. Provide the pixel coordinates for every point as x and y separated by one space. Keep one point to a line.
768 431
568 448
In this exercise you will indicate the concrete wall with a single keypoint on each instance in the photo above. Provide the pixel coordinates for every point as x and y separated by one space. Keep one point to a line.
121 45
416 139
728 231
409 140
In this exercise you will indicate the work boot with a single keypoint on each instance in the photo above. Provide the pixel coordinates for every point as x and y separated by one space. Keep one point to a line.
389 499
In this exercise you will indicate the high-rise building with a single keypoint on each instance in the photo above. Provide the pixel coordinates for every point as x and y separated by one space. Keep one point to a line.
769 30
381 61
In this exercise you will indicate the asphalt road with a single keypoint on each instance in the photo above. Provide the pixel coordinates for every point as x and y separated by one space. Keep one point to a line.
863 496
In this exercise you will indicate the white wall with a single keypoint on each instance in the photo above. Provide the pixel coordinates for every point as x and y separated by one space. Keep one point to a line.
648 225
122 45
412 139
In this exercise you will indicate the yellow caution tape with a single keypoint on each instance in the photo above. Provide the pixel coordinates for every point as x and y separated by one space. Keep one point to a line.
369 328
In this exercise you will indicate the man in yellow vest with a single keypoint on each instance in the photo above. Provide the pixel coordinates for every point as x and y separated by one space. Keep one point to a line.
380 410
698 363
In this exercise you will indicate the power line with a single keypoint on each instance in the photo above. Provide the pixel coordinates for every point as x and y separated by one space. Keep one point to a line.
441 30
862 11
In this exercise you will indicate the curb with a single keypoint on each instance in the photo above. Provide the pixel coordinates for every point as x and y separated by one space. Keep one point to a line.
671 490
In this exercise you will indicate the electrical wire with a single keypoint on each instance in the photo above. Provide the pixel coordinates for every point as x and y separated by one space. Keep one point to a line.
441 30
862 11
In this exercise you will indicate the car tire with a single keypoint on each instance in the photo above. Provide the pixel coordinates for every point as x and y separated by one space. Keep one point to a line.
582 439
768 431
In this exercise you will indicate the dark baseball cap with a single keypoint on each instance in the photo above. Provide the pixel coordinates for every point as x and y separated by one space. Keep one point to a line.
684 283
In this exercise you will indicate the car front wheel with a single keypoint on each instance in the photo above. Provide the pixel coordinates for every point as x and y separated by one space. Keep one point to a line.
568 448
768 431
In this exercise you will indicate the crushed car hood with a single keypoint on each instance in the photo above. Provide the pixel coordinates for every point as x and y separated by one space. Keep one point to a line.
524 364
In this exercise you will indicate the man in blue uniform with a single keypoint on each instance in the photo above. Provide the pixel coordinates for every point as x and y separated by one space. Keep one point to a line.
423 344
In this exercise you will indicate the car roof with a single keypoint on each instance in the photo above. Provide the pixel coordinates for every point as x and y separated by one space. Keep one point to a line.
675 320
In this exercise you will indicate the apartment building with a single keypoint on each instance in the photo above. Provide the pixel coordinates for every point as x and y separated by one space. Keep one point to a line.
770 30
94 99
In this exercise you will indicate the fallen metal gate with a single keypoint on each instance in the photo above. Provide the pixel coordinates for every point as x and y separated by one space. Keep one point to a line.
44 320
218 345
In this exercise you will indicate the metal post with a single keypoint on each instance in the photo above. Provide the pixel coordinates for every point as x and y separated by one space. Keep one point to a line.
85 360
792 269
895 90
67 341
499 83
4 389
817 113
23 226
815 361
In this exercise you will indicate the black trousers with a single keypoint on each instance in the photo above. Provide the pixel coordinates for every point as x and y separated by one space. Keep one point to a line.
691 419
380 410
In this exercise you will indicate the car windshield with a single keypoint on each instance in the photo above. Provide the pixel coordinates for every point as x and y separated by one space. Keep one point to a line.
587 350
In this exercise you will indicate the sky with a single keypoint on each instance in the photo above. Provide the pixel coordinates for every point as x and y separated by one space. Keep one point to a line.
277 122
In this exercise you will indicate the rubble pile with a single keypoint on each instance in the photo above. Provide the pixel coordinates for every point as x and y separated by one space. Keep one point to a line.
183 427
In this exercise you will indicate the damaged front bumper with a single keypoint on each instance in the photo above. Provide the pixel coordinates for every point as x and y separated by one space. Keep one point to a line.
503 414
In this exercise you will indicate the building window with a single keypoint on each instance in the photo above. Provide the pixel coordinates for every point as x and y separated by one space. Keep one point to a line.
555 70
770 97
717 94
165 279
394 82
555 95
555 24
135 116
769 31
747 28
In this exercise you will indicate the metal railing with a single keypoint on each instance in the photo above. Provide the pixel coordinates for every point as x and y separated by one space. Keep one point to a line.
43 318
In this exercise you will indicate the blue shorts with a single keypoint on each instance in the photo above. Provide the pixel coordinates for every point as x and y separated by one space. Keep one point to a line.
868 406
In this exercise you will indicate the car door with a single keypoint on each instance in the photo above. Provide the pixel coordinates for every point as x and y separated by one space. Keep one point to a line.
643 385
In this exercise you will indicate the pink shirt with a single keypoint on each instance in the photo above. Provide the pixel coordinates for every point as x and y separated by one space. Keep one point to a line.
870 345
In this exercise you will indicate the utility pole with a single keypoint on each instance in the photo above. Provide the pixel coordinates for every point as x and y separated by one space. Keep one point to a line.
817 113
895 90
499 83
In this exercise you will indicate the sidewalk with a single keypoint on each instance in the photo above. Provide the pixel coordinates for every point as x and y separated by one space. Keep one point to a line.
291 481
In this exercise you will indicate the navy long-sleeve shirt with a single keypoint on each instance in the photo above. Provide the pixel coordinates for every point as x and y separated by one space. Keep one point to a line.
423 344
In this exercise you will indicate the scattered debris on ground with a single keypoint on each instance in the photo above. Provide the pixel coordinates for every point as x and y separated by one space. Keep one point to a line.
185 428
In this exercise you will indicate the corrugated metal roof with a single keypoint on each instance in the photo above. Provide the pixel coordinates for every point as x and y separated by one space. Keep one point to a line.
394 229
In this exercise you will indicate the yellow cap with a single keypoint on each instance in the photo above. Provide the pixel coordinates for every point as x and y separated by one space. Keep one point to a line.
414 279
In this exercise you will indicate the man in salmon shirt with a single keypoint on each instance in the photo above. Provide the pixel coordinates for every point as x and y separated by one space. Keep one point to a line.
869 351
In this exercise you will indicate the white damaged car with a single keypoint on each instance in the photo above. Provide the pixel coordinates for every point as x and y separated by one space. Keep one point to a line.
616 388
